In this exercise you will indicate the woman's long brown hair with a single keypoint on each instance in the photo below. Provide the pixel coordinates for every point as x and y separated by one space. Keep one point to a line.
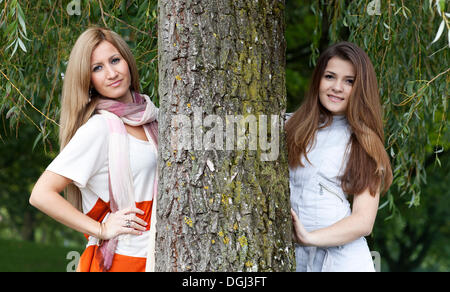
368 164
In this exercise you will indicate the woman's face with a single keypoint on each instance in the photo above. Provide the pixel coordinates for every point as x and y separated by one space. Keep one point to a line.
110 74
336 85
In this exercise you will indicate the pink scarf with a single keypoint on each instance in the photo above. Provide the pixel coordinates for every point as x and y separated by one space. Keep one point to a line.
142 112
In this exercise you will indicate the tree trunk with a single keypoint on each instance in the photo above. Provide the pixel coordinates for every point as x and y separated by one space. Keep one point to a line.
223 201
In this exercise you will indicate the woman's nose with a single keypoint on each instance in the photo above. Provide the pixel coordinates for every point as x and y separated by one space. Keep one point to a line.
110 72
337 86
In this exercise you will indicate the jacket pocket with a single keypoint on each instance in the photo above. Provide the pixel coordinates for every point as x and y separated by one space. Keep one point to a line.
324 188
331 203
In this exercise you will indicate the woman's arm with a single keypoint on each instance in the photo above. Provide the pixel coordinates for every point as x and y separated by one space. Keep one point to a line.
358 224
45 196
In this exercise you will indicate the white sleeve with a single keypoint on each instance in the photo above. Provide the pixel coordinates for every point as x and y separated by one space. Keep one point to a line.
85 153
287 116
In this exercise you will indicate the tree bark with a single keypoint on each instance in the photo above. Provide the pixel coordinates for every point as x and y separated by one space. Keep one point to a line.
222 206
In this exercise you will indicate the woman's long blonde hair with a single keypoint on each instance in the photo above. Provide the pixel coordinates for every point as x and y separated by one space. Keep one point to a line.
78 101
368 164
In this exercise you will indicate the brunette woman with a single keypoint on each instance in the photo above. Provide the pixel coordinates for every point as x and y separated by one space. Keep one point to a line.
107 163
336 153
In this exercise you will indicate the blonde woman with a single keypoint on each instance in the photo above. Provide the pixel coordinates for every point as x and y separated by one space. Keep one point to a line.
108 160
336 153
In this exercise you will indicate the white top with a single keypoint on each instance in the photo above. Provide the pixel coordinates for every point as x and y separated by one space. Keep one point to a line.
319 201
322 177
84 160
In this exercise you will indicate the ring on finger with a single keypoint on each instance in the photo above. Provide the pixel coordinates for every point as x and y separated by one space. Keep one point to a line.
128 225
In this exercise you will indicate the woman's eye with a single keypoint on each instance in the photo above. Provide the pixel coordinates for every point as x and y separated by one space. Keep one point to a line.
97 68
350 81
328 76
115 60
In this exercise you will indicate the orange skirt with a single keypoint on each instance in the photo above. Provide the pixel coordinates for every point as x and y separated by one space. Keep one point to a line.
90 262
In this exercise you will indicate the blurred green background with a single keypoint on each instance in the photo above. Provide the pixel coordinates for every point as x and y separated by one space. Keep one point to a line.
412 227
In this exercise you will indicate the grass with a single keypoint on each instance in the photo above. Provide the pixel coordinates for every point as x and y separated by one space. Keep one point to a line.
22 256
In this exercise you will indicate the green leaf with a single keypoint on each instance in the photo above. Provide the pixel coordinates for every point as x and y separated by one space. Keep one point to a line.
21 17
8 88
22 45
438 161
15 48
10 112
38 138
392 152
13 5
439 32
442 5
10 45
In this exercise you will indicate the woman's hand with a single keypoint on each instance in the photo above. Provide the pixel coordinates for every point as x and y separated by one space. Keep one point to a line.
123 222
300 235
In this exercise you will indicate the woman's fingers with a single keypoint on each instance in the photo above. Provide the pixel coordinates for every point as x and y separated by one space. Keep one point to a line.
131 221
131 227
134 220
139 220
294 226
297 226
132 210
132 231
294 217
302 236
136 223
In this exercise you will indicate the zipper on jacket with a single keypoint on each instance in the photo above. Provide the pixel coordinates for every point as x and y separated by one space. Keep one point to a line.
322 186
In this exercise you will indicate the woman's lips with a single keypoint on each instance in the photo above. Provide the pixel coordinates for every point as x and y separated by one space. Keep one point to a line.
334 98
115 84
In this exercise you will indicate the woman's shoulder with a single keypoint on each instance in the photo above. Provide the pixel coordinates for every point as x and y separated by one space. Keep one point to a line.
96 120
96 126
